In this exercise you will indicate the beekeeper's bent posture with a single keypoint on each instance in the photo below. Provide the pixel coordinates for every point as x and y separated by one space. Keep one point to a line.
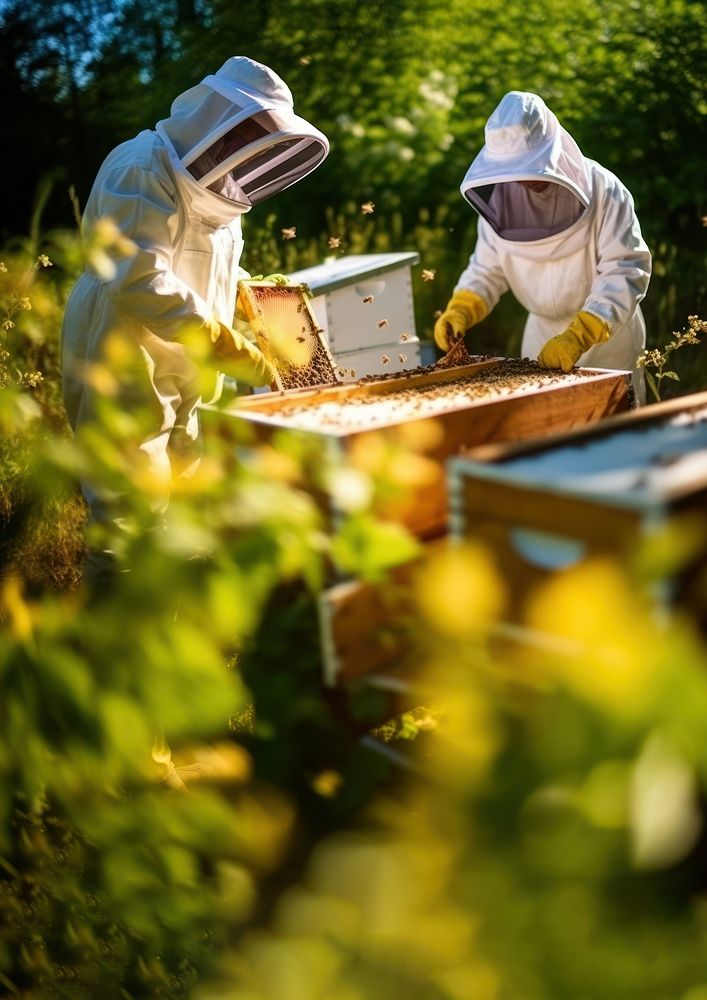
178 193
560 232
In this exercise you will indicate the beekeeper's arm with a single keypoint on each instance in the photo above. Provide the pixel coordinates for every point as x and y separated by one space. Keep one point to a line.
145 288
622 276
479 288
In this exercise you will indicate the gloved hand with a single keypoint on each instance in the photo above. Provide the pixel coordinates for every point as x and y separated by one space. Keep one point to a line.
276 278
565 350
238 357
464 310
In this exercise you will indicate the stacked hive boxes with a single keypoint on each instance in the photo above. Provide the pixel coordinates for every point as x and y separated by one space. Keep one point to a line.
364 305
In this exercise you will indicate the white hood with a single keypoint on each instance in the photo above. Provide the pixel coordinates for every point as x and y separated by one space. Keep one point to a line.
239 90
525 142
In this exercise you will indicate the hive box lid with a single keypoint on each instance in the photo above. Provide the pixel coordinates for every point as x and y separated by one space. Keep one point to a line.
652 455
326 277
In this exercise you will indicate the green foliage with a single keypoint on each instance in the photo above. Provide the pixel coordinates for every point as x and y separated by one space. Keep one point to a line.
116 693
41 530
185 810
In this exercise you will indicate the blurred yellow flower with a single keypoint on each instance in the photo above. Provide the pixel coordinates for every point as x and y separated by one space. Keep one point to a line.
616 637
327 783
16 609
458 591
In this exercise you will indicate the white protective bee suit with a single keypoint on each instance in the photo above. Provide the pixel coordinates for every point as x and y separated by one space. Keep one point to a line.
574 246
178 193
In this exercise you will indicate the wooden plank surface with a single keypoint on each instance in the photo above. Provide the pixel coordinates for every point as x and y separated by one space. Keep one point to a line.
516 417
364 626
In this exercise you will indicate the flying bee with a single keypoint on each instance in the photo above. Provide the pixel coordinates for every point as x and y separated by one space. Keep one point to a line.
367 299
289 233
382 322
428 274
368 207
402 358
385 360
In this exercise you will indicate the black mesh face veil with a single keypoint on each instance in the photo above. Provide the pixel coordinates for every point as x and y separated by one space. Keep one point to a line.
284 163
527 209
279 156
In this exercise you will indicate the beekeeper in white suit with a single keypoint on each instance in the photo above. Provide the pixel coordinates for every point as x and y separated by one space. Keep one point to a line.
560 232
178 193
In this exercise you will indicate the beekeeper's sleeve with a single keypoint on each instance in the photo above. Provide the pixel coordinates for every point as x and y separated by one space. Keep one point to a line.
144 286
623 267
483 273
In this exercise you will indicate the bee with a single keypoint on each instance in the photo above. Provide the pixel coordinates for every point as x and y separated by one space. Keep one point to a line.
334 242
368 207
289 234
428 274
402 358
304 60
385 360
382 323
300 340
352 372
368 298
404 337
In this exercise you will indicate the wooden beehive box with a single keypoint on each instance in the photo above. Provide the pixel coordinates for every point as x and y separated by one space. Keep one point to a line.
494 400
543 507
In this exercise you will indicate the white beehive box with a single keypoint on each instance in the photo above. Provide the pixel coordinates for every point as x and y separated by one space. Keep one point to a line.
364 305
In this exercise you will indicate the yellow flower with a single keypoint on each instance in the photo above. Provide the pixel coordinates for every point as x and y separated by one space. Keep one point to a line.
327 784
458 591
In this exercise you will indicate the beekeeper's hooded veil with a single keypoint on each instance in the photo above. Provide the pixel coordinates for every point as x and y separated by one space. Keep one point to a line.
237 133
558 230
178 193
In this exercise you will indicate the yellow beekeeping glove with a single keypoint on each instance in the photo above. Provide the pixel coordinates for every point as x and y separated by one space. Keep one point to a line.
464 310
565 350
237 357
276 278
